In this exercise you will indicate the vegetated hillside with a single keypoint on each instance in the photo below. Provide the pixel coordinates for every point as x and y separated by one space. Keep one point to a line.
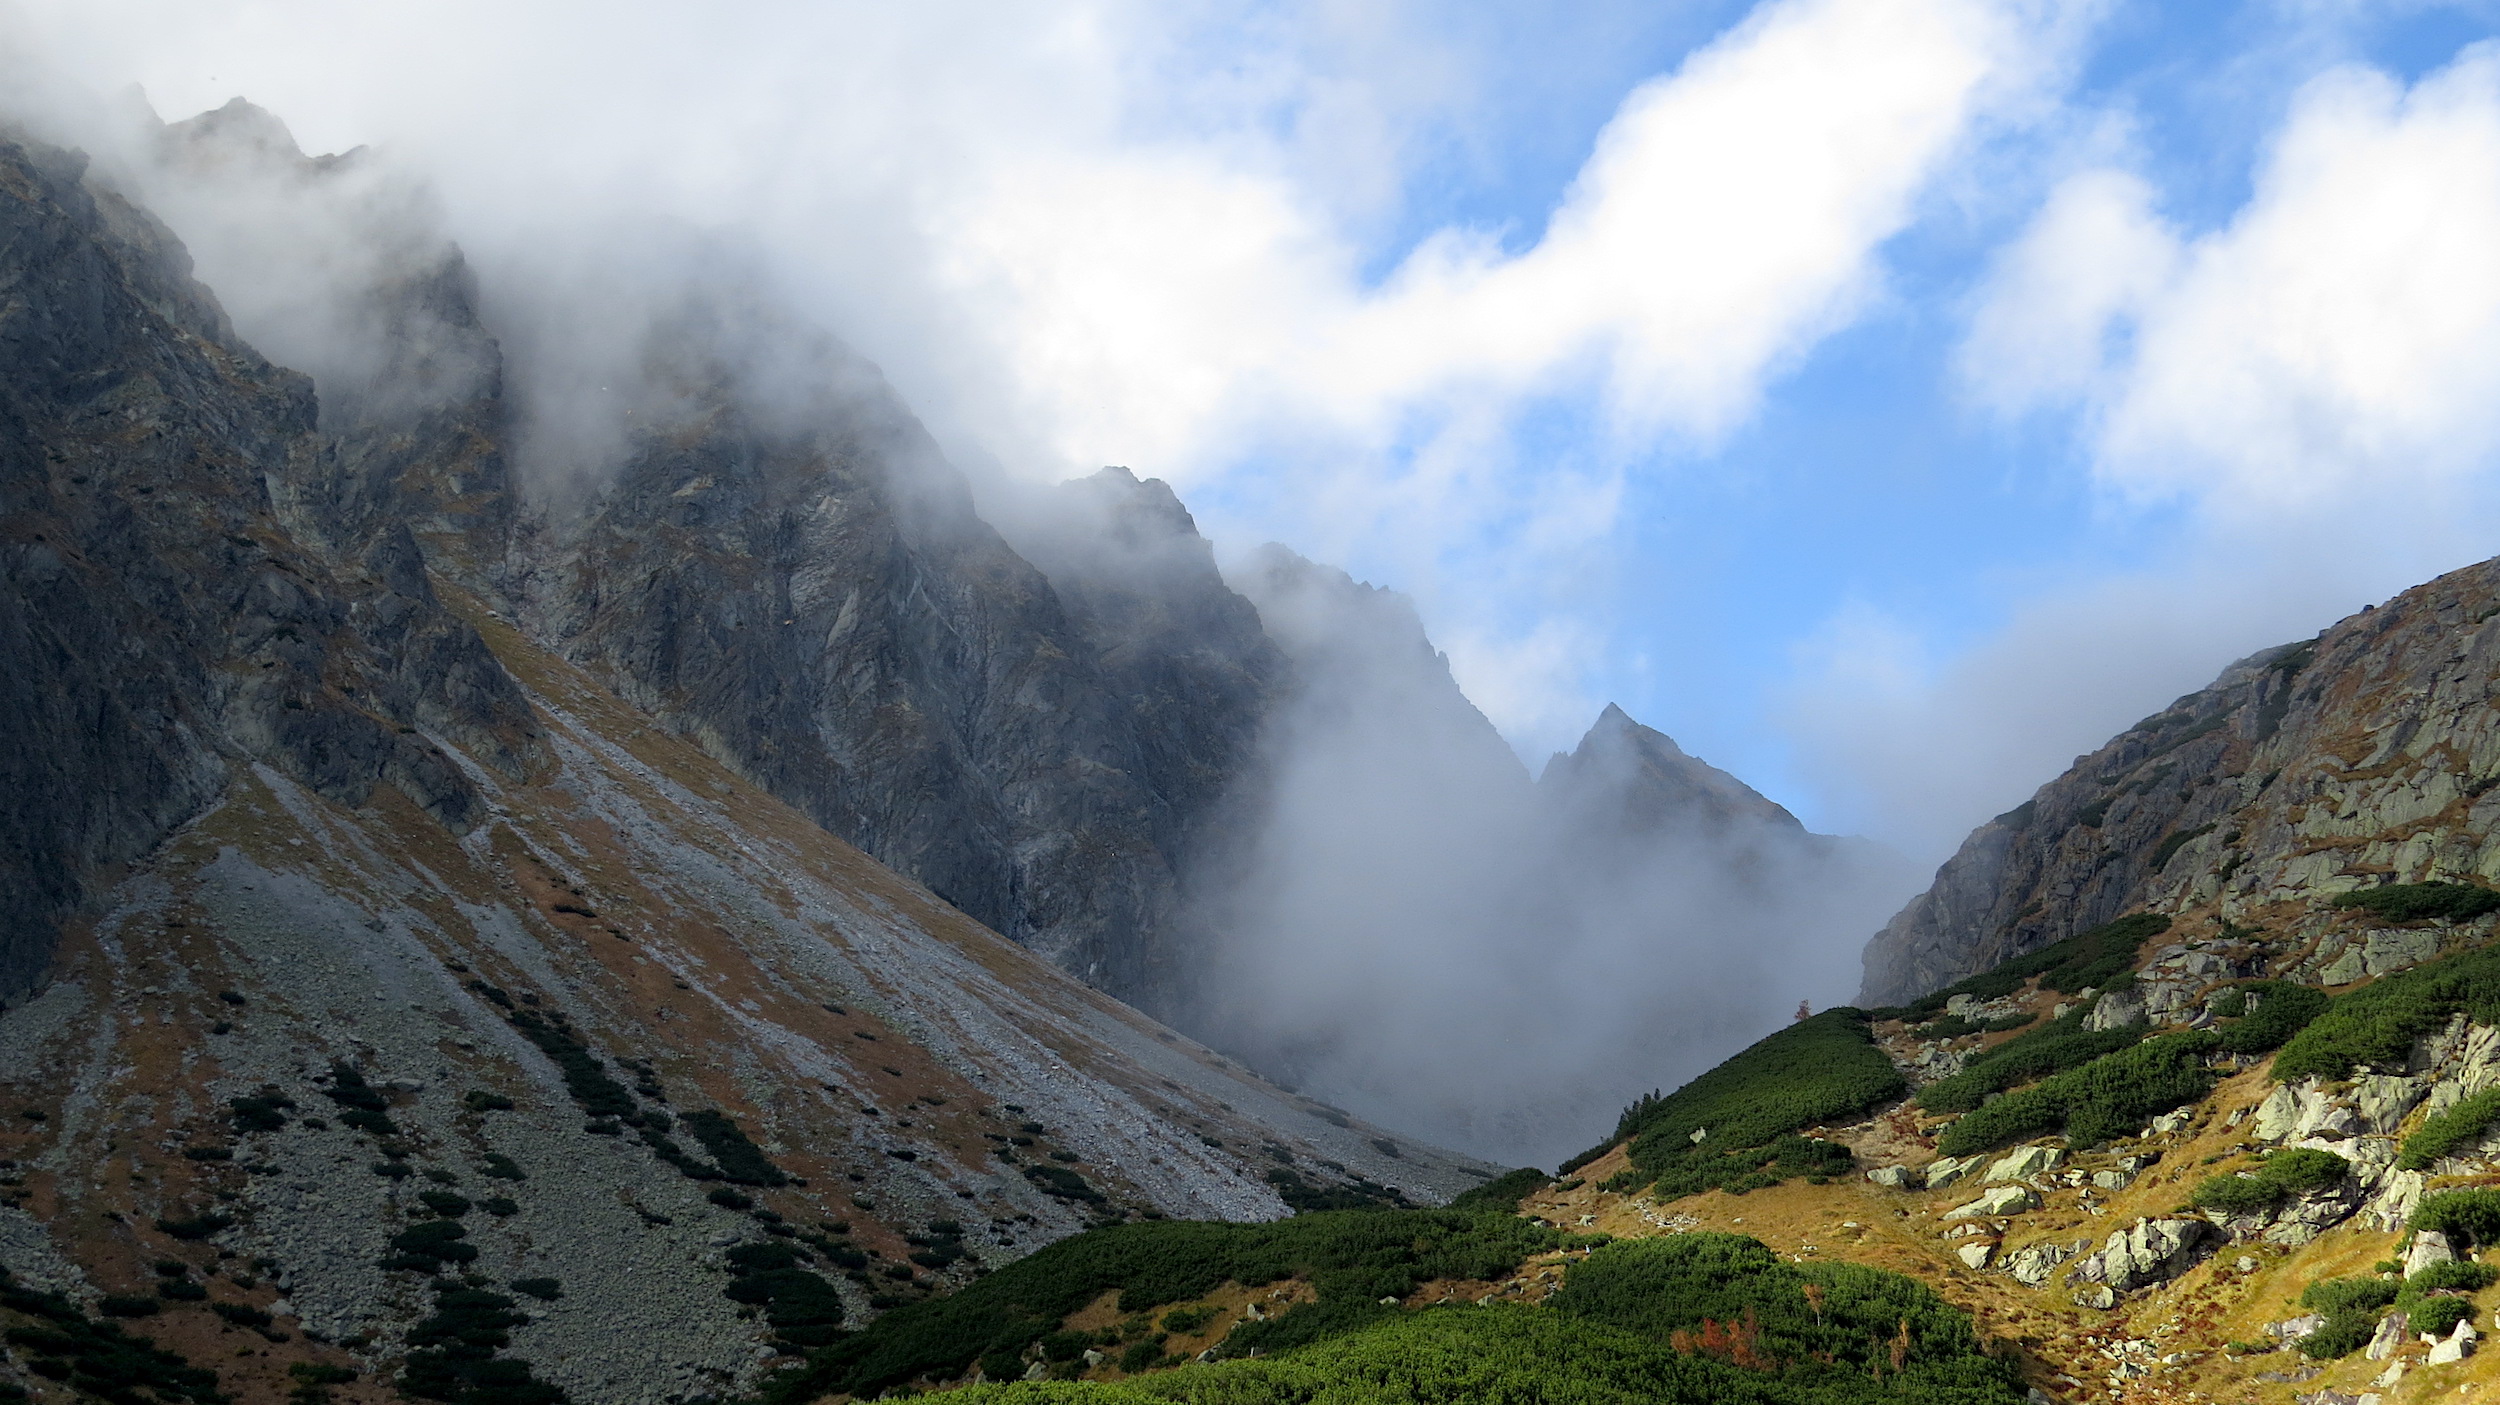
390 1006
1471 1303
2366 755
2176 1156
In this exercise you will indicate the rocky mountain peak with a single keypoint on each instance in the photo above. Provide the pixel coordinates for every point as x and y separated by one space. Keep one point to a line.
1656 785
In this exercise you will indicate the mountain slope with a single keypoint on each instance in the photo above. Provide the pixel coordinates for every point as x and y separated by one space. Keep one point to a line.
2362 756
697 940
388 996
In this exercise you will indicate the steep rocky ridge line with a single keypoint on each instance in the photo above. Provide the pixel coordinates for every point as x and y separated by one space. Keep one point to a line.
705 947
2365 755
166 617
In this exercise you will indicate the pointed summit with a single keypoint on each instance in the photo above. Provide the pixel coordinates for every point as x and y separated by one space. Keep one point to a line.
1657 784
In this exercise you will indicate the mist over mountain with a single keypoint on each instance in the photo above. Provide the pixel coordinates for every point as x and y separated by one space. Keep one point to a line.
1251 799
1419 930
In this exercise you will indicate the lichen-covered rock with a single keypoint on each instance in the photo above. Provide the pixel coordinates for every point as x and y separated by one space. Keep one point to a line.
2003 1200
176 599
2023 1163
2149 1251
2301 772
2033 1264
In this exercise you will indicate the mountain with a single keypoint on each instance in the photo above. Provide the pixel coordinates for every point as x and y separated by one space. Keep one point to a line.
2360 757
748 535
412 965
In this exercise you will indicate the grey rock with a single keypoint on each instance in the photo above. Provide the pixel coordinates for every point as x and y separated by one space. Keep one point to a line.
2390 1336
2033 1265
2429 1247
177 603
2024 1163
2003 1200
2149 1251
2235 795
1892 1177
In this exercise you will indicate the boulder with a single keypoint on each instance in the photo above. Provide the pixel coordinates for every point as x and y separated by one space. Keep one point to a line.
2023 1163
2390 1337
2456 1346
2381 1101
2393 1203
2116 1010
2292 1329
2032 1265
2096 1297
2003 1200
1894 1177
1945 1170
2151 1251
2113 1180
1976 1255
2429 1247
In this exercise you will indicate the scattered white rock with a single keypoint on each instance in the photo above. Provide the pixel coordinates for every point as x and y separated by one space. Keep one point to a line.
2003 1200
2456 1346
2429 1247
2390 1337
2023 1163
1976 1255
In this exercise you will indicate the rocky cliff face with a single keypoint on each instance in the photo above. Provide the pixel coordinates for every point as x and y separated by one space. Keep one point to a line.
767 552
388 993
170 613
2363 756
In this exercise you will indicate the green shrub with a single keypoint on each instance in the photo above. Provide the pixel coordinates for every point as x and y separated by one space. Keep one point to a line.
2278 1177
801 1307
1144 1356
2087 960
448 1204
740 1160
1504 1192
195 1226
2335 1295
452 1354
2438 1316
2465 1216
544 1289
2284 1009
1825 1068
1351 1257
1182 1321
427 1246
2379 1023
2450 1132
2052 1048
480 1100
264 1113
2419 902
103 1358
2456 1275
2109 1097
129 1305
361 1105
1616 1345
2342 1334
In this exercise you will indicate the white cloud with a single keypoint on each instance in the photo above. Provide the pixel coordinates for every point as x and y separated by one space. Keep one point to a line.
2095 257
2300 409
1114 232
2339 337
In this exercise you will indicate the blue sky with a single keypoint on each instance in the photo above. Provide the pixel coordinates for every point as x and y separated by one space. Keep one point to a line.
1888 398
